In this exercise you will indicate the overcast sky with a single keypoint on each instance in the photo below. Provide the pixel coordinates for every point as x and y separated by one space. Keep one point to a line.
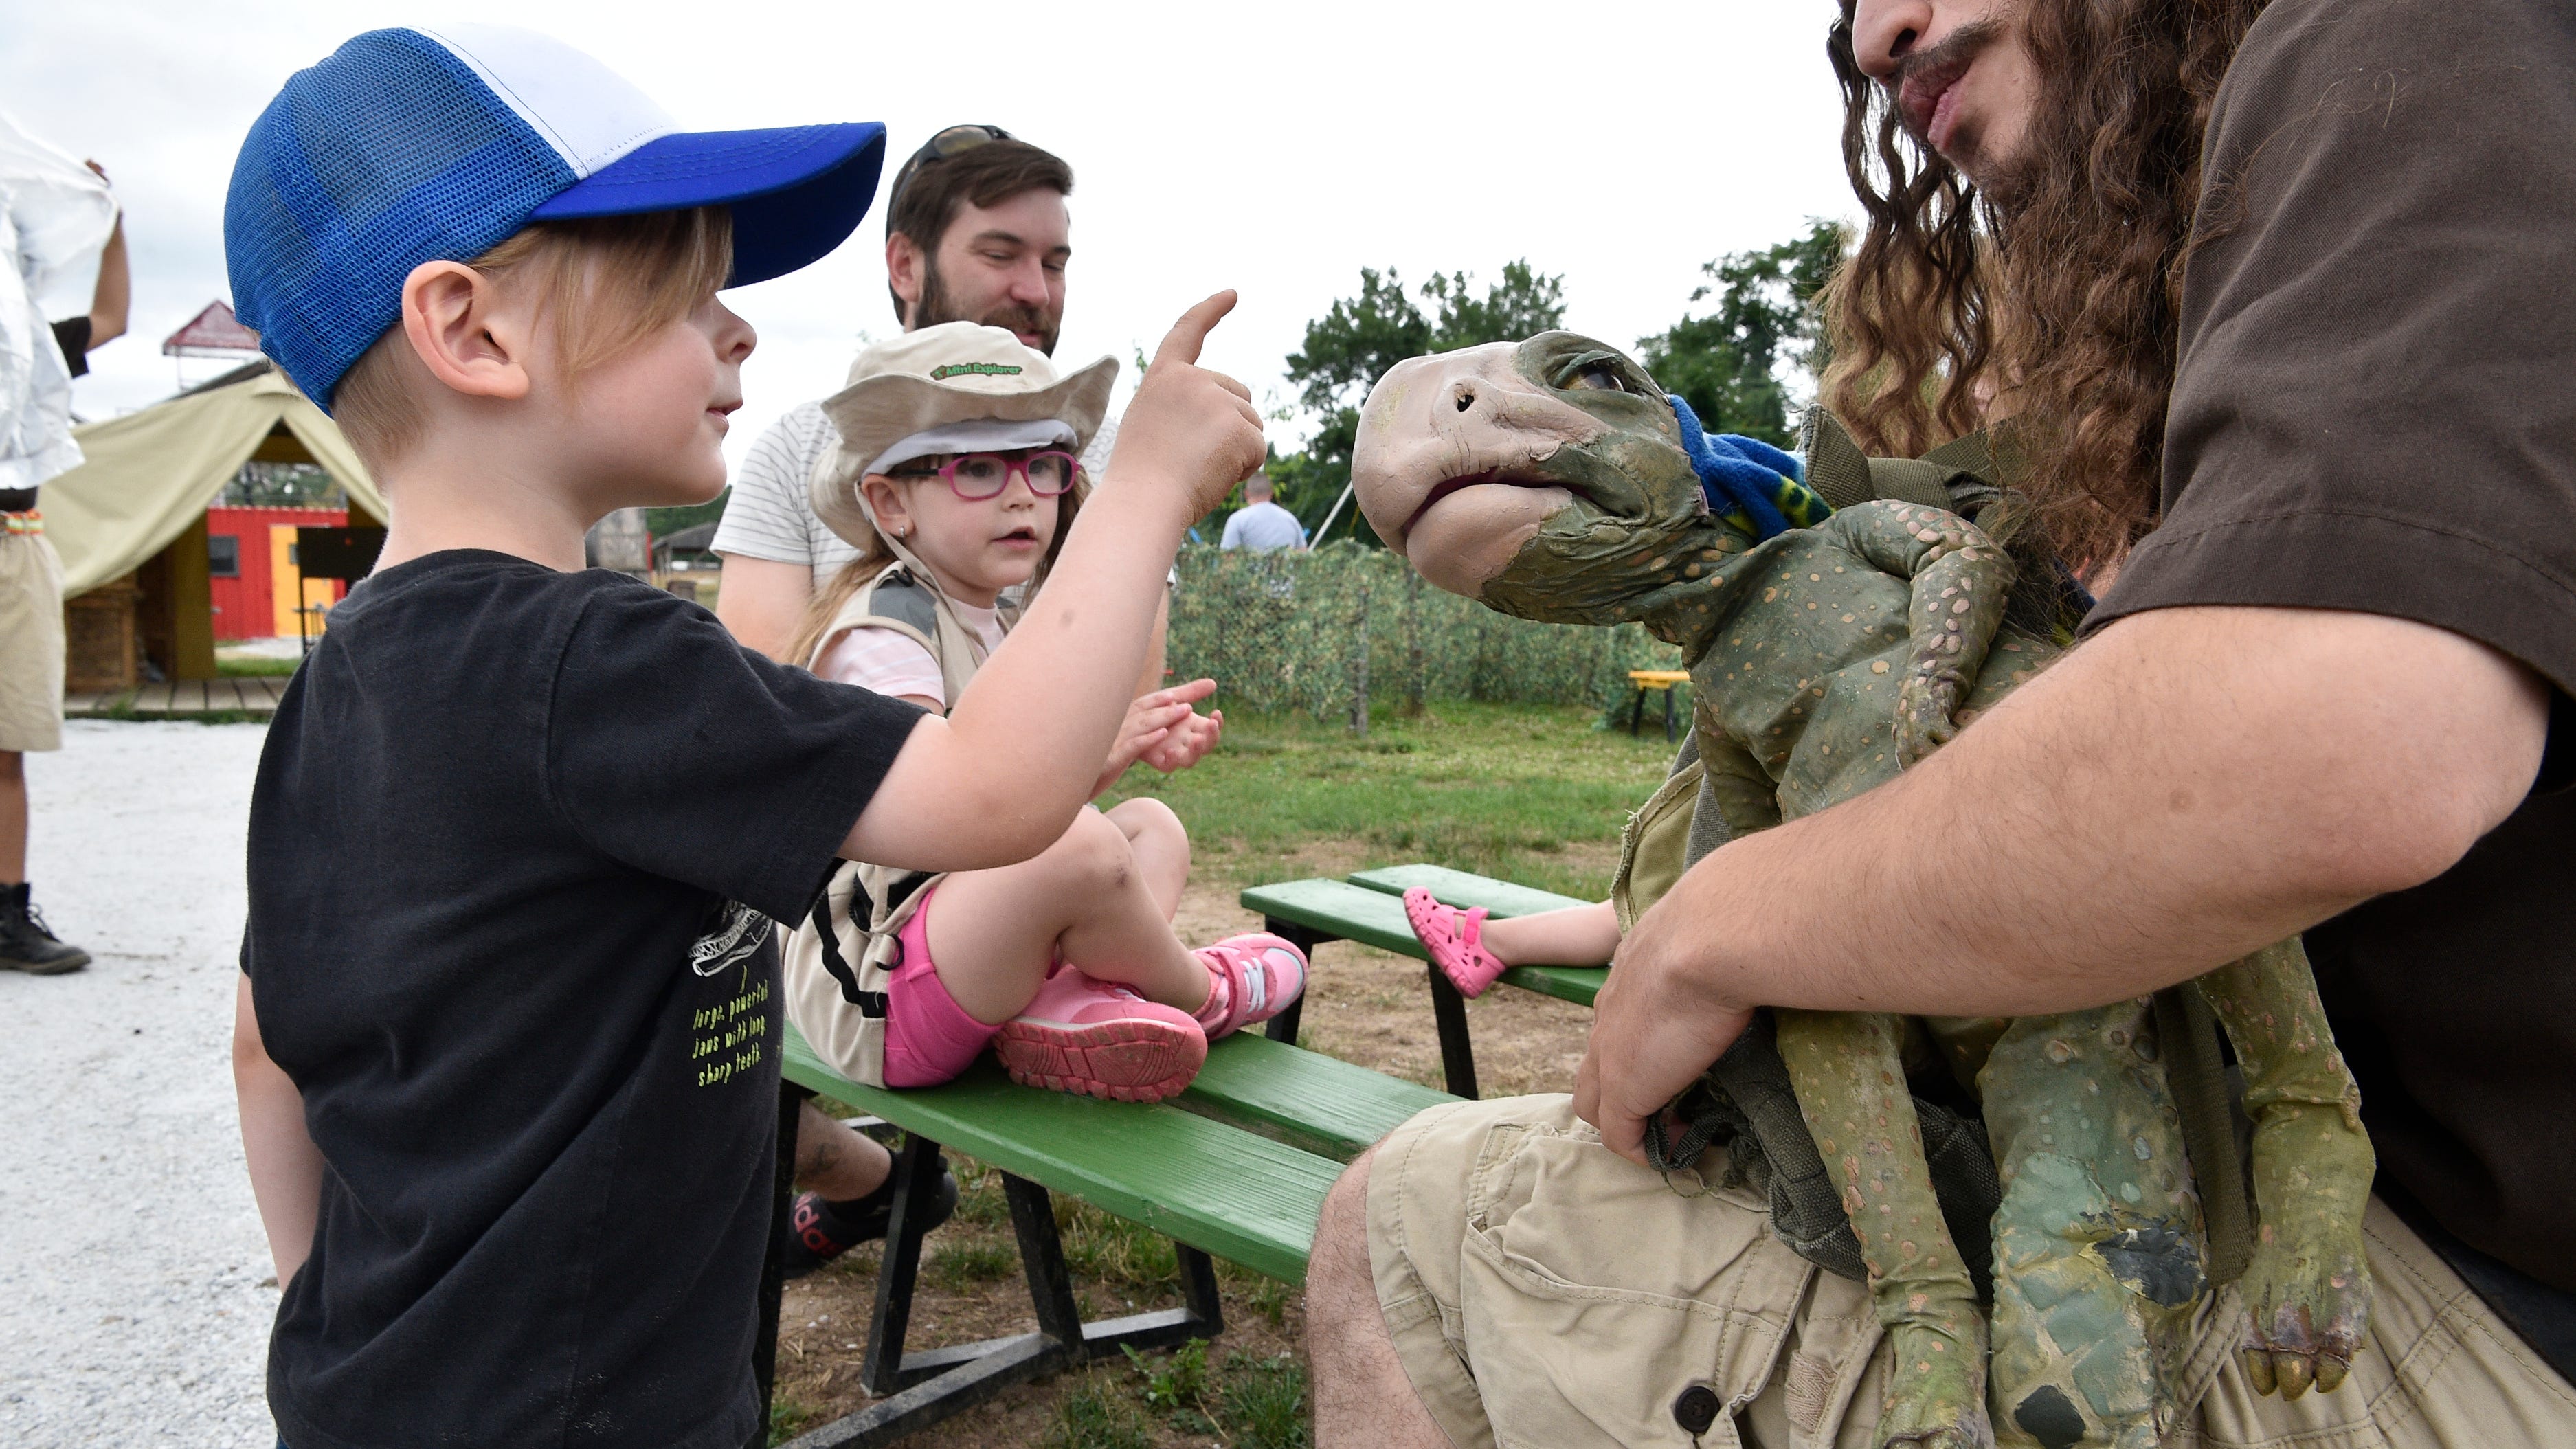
1273 149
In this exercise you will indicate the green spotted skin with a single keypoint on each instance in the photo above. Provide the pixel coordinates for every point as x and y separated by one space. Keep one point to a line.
1827 660
1851 1089
2098 1263
1824 660
2306 1287
1839 655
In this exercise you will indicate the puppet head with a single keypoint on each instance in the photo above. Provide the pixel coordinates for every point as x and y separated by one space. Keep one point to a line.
1545 478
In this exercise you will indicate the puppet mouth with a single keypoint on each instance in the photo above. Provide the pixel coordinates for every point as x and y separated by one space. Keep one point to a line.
1443 489
1448 488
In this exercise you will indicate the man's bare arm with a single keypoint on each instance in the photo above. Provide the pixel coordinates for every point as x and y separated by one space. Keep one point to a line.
285 1166
761 600
112 300
2187 786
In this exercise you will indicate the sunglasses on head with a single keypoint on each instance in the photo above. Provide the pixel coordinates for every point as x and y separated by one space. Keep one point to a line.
943 145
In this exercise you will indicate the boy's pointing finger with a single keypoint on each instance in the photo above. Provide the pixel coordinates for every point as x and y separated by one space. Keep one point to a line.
1181 345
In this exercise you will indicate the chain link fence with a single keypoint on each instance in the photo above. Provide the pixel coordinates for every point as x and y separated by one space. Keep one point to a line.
1336 629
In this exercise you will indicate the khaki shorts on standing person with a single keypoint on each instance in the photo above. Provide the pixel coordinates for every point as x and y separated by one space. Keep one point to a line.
1545 1293
31 640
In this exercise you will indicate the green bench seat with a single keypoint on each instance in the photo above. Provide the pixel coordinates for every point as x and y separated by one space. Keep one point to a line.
1578 984
1236 1166
1368 908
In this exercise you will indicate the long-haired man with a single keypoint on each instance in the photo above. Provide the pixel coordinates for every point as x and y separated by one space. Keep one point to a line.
2274 305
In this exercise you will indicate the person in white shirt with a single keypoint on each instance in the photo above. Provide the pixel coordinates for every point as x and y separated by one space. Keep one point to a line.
1261 524
976 231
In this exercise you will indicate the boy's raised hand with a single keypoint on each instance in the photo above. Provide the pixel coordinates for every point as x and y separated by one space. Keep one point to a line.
1194 428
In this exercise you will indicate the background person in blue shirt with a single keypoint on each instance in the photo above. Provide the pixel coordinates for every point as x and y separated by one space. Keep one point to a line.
1260 523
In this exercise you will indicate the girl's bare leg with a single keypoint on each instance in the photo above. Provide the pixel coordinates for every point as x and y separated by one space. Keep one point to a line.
1088 898
1575 936
1161 845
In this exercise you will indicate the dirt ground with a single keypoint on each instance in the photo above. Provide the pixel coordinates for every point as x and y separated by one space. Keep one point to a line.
1363 1006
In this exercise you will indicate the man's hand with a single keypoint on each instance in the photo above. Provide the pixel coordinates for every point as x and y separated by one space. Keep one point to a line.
1188 427
1655 1028
1161 727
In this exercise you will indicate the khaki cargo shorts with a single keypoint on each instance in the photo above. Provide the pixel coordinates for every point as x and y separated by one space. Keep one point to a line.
31 644
1547 1294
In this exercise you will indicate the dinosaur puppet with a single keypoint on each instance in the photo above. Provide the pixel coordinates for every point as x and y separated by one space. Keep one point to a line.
1553 480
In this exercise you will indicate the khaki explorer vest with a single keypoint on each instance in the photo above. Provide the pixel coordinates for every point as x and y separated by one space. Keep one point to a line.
836 962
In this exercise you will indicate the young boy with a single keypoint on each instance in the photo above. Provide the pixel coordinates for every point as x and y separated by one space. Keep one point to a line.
507 1036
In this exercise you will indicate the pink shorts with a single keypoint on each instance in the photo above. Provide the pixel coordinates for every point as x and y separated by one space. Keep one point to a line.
929 1038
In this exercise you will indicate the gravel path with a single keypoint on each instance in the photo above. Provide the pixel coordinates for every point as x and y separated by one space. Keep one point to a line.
133 1302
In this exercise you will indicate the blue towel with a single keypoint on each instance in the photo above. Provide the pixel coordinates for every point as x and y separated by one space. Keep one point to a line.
1747 482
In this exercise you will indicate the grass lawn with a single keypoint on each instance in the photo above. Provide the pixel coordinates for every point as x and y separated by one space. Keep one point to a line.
254 667
1532 793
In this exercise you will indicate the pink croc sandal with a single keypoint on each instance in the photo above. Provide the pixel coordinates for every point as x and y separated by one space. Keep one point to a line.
1455 940
1257 976
1100 1040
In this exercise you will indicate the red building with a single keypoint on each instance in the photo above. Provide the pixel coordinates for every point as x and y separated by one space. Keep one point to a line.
251 568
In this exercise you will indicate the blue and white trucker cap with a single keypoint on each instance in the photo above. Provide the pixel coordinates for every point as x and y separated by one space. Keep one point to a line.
409 146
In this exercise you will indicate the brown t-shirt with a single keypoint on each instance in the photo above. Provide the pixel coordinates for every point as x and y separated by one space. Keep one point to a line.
2376 411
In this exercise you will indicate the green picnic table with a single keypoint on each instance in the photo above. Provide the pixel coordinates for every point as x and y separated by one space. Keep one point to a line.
1368 908
1236 1167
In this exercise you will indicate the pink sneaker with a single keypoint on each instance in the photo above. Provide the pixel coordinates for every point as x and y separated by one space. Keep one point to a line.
1257 976
1092 1037
1456 941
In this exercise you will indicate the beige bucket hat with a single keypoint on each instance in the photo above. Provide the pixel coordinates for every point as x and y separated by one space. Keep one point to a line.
938 377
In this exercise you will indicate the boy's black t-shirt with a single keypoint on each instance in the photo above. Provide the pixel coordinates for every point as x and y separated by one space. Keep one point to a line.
511 831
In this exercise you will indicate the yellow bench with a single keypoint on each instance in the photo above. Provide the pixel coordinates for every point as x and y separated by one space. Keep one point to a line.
1660 681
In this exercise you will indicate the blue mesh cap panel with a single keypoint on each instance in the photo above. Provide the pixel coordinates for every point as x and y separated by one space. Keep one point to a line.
388 154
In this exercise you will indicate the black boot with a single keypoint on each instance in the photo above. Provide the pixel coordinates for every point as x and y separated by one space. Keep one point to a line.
819 1231
25 944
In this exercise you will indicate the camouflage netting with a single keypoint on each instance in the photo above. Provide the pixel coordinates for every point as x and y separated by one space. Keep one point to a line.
1334 629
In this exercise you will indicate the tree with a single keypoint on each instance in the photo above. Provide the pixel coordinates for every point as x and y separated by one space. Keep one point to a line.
1727 365
663 522
1351 346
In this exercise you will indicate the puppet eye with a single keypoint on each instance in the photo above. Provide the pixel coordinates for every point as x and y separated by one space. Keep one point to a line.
1594 373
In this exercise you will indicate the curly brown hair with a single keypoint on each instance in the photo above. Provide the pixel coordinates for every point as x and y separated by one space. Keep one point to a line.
2055 294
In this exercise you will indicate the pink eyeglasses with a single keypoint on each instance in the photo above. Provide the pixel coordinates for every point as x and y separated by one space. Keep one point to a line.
978 476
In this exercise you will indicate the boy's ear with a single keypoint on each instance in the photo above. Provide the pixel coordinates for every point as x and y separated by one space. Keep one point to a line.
458 325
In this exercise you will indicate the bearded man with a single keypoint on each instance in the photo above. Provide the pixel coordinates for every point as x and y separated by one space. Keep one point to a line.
2278 303
976 231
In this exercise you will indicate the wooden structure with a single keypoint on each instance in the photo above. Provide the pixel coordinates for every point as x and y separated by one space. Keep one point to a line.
130 521
180 699
255 575
1661 681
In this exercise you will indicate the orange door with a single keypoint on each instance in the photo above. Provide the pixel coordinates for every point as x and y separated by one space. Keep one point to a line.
318 593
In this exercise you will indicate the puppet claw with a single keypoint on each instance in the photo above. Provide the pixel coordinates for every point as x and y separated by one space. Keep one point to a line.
2305 1318
2258 1369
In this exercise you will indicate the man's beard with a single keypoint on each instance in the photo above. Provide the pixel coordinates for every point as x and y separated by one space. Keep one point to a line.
936 307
